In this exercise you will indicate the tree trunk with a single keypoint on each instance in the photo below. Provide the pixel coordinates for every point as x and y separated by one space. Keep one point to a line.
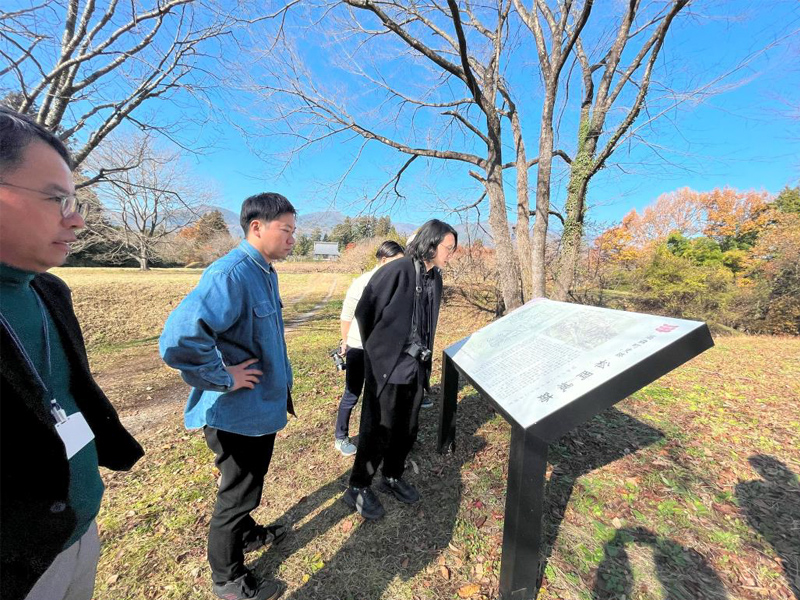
523 211
581 171
144 263
508 265
506 257
572 237
543 176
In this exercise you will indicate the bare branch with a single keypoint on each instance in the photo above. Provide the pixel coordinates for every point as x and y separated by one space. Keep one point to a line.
414 43
654 44
469 78
470 206
461 119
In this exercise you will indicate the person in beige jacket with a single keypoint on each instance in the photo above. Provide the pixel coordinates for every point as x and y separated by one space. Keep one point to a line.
352 349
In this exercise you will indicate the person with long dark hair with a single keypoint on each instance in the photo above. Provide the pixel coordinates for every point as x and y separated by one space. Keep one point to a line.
397 317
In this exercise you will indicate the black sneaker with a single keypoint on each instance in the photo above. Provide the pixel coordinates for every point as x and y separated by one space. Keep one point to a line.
260 535
427 402
247 587
364 501
405 492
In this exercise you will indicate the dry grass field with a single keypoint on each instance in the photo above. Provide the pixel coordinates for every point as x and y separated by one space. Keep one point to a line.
687 490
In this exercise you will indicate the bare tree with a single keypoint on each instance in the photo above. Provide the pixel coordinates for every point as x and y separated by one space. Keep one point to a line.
464 91
555 33
596 141
151 196
461 104
84 67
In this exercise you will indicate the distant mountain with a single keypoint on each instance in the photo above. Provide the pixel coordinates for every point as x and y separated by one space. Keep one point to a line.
325 220
474 232
328 219
231 218
405 228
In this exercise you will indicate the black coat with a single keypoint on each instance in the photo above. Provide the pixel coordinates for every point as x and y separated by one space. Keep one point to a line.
35 521
384 318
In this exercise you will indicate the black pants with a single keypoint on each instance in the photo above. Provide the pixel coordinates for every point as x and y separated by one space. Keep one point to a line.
353 384
243 462
389 426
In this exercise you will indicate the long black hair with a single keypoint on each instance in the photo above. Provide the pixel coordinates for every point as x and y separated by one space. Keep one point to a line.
427 239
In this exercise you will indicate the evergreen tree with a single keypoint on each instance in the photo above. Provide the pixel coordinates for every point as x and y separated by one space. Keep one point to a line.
343 233
304 246
210 225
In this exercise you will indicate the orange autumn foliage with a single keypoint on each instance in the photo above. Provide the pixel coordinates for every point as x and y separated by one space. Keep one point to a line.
720 213
730 213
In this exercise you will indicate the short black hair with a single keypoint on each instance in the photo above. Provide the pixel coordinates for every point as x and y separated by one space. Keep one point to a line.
388 249
17 131
427 239
264 207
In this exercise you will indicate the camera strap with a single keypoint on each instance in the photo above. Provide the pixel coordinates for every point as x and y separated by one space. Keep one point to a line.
415 333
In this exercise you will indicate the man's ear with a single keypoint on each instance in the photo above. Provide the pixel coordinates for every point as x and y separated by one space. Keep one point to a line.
255 228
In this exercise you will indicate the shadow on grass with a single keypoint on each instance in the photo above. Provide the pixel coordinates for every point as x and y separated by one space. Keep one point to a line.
683 573
411 538
609 436
772 508
405 541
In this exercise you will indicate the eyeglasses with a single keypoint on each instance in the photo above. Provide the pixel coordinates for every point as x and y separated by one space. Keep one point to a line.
69 202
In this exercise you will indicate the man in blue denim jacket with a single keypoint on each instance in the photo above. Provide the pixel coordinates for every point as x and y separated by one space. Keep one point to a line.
226 338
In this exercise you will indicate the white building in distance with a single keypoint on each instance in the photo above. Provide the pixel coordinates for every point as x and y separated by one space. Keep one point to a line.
326 250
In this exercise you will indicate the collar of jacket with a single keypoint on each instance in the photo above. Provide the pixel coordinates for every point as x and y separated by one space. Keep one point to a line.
250 250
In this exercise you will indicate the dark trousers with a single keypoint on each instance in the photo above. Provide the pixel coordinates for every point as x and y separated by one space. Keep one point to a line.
353 384
242 462
389 426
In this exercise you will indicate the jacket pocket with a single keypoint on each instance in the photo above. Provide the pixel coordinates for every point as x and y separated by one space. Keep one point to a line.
264 309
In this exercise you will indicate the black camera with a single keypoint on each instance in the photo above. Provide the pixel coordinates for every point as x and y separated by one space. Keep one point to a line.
338 359
421 353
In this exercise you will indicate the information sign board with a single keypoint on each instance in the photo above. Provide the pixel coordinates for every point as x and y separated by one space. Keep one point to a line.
548 367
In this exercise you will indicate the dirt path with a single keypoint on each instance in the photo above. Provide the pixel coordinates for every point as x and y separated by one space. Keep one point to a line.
146 393
293 324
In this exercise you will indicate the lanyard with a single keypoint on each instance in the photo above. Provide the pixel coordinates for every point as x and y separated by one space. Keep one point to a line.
416 325
58 413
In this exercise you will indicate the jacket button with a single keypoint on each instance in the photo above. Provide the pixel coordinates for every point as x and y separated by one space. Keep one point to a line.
58 507
384 375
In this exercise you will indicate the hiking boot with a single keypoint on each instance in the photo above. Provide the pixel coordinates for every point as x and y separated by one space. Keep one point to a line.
405 492
364 501
345 446
427 402
260 535
247 587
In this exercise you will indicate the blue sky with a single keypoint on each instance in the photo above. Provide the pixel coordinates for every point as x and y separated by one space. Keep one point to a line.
746 137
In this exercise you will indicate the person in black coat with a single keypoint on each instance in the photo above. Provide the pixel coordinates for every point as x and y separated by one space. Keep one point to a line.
56 425
397 317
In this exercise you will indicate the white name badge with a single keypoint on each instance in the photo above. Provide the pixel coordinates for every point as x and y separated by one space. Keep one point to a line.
75 433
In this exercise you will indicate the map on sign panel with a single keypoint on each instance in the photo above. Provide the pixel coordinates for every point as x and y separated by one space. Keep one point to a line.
546 354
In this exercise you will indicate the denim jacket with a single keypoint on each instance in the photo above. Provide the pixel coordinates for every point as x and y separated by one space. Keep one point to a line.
234 314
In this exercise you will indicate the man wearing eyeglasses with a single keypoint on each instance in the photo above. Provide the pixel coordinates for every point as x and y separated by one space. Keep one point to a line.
56 425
